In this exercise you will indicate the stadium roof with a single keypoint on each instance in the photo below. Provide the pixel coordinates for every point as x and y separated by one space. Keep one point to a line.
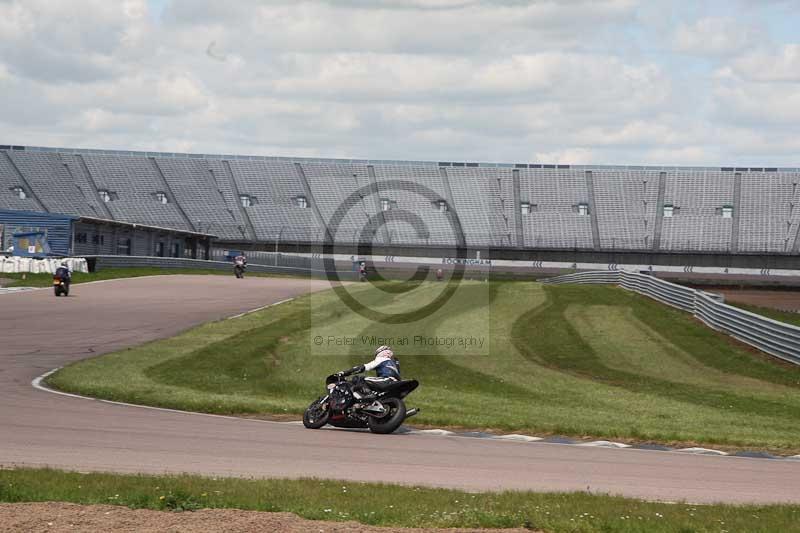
393 162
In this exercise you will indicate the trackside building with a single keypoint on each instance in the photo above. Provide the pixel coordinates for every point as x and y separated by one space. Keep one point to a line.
59 235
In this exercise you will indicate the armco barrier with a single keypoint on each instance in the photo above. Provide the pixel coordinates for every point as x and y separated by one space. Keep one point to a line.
771 336
600 276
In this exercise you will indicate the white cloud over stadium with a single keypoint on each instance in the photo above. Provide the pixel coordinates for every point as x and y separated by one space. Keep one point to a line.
609 81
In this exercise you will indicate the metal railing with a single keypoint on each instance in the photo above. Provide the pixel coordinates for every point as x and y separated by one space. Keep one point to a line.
770 336
285 265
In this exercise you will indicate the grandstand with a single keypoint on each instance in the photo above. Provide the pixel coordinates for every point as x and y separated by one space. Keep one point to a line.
734 211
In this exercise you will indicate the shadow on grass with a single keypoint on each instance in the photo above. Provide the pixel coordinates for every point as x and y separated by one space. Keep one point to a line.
563 348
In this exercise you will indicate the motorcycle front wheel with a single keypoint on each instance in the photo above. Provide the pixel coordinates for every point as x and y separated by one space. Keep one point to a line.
316 415
390 421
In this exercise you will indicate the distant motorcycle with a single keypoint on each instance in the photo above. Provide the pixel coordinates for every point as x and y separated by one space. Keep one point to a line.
239 264
61 283
361 403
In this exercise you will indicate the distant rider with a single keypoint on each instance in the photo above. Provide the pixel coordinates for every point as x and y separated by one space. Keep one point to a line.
239 264
64 272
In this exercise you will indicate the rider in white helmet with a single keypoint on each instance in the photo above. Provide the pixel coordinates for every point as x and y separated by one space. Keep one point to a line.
384 363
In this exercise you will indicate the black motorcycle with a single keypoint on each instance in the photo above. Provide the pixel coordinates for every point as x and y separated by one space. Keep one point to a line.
61 282
361 403
238 271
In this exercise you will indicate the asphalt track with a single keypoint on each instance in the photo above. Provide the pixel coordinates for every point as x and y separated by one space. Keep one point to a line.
39 332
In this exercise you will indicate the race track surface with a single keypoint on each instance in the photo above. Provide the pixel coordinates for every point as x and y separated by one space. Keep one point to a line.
40 332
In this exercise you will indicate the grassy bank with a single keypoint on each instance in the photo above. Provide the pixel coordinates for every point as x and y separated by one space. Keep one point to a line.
572 360
45 280
387 505
775 314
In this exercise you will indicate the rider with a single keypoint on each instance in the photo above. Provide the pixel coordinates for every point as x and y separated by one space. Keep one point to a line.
64 272
240 260
384 363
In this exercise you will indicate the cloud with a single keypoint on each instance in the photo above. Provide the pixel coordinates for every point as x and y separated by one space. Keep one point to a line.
71 41
575 81
167 94
574 156
714 36
781 65
754 103
397 27
760 89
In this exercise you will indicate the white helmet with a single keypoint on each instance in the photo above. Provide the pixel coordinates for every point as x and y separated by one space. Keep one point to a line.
384 351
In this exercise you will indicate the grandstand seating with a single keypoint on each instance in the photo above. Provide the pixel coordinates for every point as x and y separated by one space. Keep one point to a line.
769 212
345 186
731 210
135 181
46 175
625 202
80 174
555 220
9 179
195 190
416 189
483 199
698 224
276 186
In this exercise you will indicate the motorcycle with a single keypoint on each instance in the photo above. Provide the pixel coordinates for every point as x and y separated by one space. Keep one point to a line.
238 271
60 285
361 403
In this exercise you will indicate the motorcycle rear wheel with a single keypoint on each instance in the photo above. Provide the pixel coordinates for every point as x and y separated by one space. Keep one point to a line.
390 422
316 416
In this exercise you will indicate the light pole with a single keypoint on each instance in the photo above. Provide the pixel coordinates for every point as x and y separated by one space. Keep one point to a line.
277 240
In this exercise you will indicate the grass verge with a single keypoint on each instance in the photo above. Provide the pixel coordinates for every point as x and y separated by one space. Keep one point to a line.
595 362
774 314
391 505
46 280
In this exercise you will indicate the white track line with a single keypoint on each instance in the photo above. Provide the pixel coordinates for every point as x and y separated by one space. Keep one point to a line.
701 451
513 438
605 444
240 315
37 384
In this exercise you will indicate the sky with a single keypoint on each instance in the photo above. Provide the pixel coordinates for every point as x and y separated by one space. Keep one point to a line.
629 82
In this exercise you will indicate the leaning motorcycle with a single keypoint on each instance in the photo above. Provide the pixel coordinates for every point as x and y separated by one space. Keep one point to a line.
361 403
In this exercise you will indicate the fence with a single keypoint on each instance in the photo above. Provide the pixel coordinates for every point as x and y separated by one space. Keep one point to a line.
770 336
285 264
269 259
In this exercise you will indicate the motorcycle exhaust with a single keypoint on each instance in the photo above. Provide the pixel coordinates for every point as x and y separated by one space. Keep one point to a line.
411 412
